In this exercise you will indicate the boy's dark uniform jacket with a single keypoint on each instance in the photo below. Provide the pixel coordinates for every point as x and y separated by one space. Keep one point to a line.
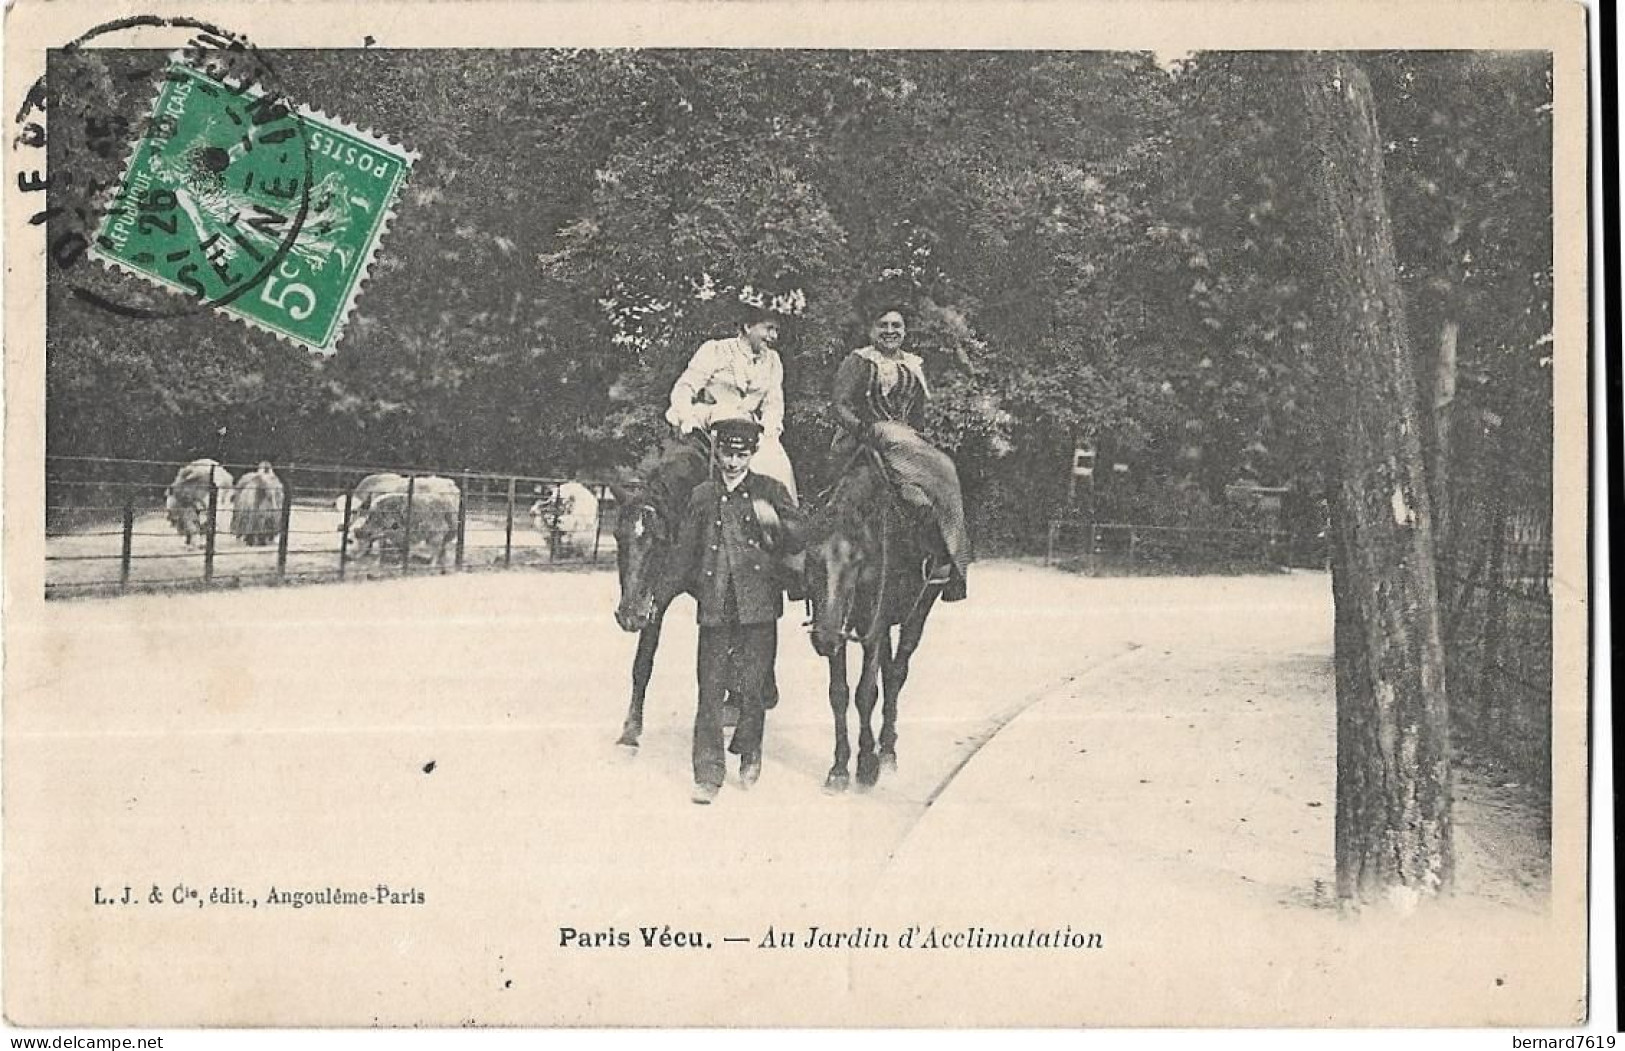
724 545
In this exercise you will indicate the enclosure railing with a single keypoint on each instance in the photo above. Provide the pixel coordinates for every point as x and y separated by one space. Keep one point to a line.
1099 547
1496 623
107 528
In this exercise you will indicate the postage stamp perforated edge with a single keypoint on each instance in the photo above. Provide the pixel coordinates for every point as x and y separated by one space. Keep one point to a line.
383 143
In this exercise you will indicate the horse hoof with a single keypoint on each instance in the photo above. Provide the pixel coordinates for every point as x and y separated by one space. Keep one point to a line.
868 770
888 762
629 739
837 781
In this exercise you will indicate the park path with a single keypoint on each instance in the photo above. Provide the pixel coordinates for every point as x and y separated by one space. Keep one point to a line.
1149 760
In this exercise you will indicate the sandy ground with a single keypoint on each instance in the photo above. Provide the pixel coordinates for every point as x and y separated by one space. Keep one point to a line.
1148 761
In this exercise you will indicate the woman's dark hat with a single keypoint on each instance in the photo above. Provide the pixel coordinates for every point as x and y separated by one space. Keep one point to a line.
748 314
736 434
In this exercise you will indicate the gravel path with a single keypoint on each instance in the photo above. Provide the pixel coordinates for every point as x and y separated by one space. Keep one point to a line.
1146 760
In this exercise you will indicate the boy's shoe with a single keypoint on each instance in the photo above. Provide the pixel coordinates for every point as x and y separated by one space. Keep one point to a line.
704 793
955 591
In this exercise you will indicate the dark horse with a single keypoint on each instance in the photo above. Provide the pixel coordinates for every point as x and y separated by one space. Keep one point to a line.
864 556
645 531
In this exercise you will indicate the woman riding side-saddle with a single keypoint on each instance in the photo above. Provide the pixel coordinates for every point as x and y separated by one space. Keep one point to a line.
879 398
738 376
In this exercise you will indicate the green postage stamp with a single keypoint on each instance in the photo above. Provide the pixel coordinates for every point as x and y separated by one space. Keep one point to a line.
269 214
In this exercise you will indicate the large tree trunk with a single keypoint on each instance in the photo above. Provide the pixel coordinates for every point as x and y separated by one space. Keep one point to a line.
1393 768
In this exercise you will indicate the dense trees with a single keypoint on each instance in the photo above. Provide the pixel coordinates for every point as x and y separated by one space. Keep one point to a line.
1324 273
1095 245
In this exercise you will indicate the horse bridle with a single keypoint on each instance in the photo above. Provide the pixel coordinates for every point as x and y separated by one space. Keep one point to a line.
651 517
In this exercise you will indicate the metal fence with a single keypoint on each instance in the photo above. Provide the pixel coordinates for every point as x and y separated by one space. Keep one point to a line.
1118 547
107 530
1495 591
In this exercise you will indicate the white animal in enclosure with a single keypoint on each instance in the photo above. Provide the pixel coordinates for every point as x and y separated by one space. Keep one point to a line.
361 498
362 495
567 518
186 500
369 499
433 514
426 483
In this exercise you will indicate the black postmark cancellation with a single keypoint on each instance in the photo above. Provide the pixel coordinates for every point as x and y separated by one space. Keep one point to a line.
194 173
82 124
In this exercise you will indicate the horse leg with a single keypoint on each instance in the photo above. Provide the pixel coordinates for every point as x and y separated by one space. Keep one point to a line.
875 652
642 668
909 634
893 673
839 778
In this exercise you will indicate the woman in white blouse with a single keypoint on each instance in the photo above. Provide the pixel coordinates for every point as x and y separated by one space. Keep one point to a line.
738 376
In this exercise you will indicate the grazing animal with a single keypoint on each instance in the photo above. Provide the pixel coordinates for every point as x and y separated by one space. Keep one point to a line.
361 497
567 518
256 507
645 532
370 488
186 500
433 513
865 554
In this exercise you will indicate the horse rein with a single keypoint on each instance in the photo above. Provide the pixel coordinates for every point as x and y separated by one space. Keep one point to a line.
893 503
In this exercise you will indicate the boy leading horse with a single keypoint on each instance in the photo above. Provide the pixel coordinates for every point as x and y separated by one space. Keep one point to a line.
737 524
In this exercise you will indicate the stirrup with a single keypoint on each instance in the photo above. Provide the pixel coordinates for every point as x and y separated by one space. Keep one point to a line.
936 577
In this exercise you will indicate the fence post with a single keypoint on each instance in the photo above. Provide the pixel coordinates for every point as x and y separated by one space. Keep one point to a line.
344 534
129 533
550 521
462 519
1133 542
208 538
282 532
1049 546
598 523
507 537
406 539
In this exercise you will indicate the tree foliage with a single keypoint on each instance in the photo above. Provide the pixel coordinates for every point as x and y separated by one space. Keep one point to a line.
1092 245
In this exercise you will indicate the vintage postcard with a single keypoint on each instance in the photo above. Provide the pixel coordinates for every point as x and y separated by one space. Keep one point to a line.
795 514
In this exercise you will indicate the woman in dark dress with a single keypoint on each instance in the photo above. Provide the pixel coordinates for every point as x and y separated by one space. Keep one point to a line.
879 399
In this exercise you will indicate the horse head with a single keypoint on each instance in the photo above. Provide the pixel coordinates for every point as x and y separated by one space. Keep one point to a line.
843 560
648 520
643 536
